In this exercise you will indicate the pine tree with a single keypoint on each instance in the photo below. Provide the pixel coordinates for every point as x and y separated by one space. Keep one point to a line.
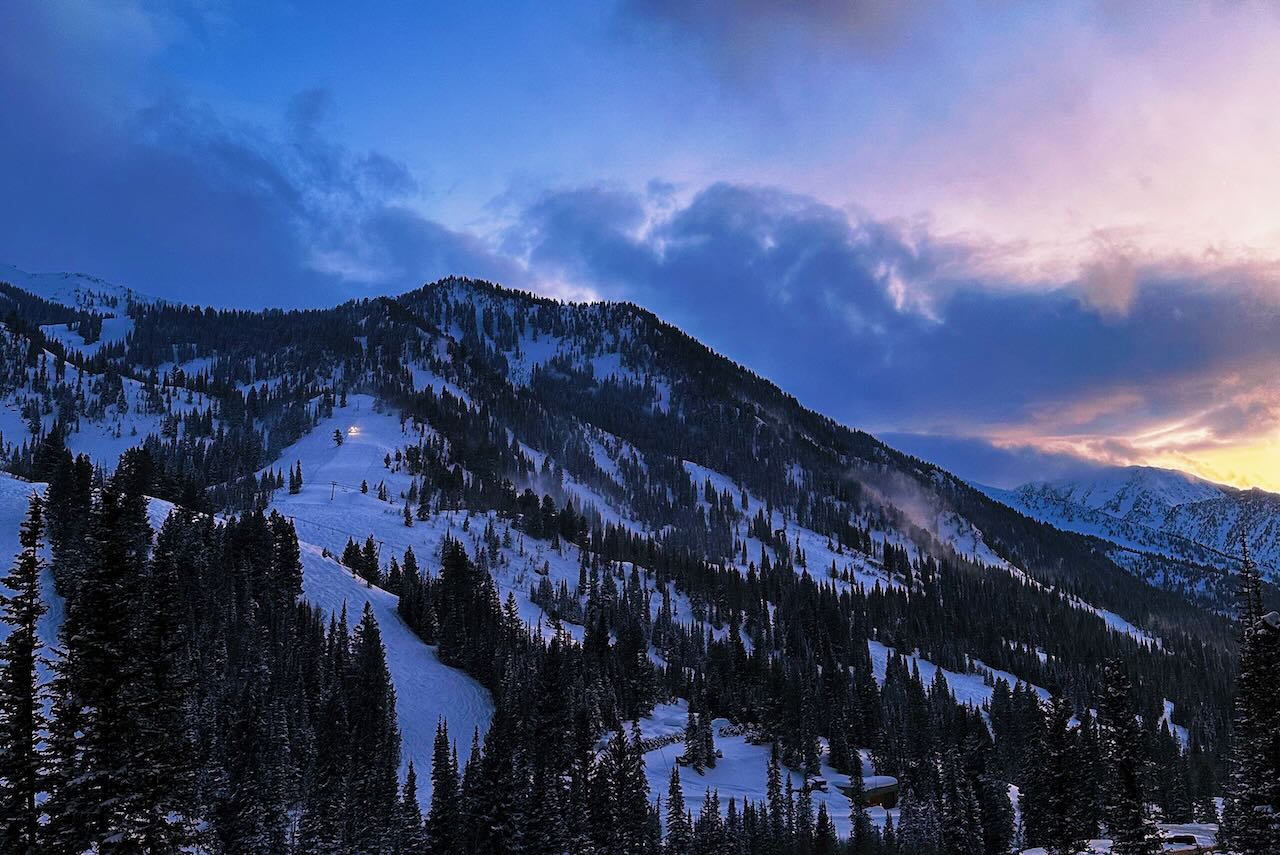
94 801
1130 828
471 790
695 745
352 558
22 762
1251 814
679 833
633 796
889 836
322 828
251 818
804 815
424 504
961 817
620 801
413 837
370 567
708 831
860 830
824 833
917 822
444 818
1059 789
161 699
997 815
706 739
778 808
375 739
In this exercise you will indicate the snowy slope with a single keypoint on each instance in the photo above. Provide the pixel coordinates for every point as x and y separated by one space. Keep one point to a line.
1139 493
114 329
331 508
76 290
103 438
741 773
426 690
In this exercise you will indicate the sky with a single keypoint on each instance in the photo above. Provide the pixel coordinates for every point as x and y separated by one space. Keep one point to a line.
1024 241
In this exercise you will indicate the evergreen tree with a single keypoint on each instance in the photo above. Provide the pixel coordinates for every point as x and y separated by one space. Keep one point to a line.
370 567
375 740
961 815
699 745
997 816
1058 787
251 815
708 831
825 841
918 830
161 700
323 828
1251 814
1130 828
413 837
679 834
22 721
860 828
777 802
444 818
94 801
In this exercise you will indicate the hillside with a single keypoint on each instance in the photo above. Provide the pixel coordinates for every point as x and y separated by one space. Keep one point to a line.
586 485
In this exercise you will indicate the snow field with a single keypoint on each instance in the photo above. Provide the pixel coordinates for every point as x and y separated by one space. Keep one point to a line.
742 772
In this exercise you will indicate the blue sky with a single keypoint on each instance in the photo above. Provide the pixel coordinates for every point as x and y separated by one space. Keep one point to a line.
1020 239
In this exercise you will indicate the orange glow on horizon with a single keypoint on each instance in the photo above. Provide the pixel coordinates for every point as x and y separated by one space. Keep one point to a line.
1252 464
1247 463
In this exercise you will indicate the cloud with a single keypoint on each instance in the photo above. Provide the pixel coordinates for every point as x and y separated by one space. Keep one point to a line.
877 322
165 193
747 40
1030 130
1154 127
980 460
1109 281
1047 301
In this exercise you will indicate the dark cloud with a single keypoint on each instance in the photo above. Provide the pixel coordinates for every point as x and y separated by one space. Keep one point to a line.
981 461
872 322
877 323
170 197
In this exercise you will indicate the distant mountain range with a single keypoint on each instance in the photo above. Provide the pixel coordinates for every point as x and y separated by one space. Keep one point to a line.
1158 510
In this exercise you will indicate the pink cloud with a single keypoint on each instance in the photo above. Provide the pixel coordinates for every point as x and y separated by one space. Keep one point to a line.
1160 130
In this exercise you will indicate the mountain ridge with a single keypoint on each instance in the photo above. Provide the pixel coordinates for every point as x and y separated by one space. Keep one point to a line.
557 440
1167 511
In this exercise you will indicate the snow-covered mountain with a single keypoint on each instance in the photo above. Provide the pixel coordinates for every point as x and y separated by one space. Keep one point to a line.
74 290
1159 510
619 484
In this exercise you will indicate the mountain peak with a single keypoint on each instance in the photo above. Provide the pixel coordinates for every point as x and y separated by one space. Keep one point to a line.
75 290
